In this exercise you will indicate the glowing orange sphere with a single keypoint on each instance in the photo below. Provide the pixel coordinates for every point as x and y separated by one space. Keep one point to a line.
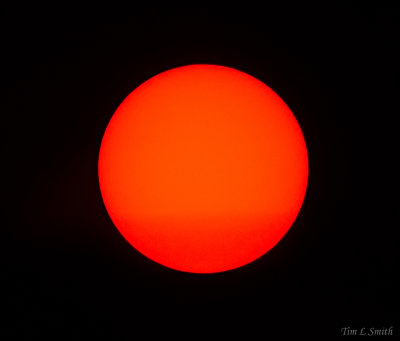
203 168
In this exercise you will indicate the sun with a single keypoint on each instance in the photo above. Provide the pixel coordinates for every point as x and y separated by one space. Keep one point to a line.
203 168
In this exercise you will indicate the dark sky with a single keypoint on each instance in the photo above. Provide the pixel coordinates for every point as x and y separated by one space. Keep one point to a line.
69 274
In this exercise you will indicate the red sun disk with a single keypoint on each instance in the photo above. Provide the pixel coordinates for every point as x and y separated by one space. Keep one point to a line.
203 168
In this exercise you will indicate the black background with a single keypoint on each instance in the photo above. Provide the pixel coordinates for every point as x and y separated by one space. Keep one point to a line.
67 271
